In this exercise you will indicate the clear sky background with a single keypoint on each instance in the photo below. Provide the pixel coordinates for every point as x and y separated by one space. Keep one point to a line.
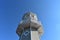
11 12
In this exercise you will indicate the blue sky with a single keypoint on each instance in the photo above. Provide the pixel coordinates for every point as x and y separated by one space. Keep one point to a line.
11 12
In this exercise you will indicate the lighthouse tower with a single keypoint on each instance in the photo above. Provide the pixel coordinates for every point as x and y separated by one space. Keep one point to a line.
29 28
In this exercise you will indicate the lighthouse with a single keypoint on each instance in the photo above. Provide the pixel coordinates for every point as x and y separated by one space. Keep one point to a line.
29 28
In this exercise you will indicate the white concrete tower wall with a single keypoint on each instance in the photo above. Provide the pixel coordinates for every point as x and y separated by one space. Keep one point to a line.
34 35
